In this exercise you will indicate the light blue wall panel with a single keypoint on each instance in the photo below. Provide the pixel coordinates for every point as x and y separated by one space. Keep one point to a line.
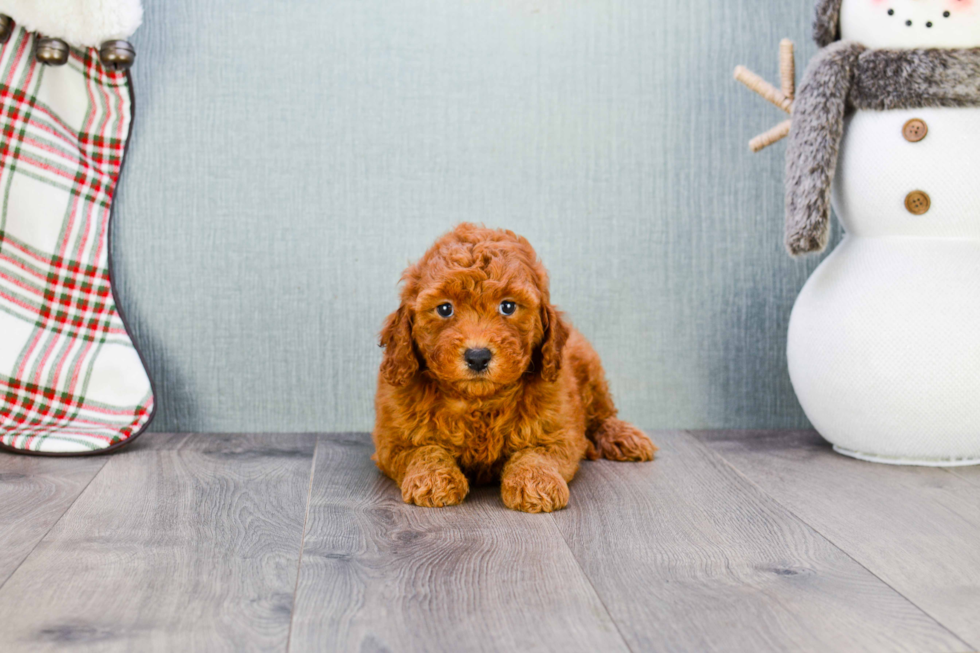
290 157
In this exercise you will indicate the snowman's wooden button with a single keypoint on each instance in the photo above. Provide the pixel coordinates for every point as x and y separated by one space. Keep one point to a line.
915 130
917 202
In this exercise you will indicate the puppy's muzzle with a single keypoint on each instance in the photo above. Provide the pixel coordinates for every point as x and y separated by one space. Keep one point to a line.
477 359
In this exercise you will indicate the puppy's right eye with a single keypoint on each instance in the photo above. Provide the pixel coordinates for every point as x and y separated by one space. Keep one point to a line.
445 310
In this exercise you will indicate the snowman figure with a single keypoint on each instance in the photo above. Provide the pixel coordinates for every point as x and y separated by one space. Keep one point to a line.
884 339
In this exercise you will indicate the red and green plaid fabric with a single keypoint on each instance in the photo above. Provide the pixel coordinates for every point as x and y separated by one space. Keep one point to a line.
71 380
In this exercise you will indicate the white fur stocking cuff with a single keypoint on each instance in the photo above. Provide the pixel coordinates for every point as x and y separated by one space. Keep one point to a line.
79 22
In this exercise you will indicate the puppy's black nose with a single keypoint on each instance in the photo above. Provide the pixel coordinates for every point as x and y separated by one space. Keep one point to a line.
477 359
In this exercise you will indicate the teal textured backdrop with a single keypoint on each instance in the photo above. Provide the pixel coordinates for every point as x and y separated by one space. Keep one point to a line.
289 158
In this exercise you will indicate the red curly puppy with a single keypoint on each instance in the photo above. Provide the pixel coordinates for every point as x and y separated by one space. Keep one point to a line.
483 379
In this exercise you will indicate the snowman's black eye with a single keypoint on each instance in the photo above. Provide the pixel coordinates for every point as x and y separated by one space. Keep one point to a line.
507 308
445 310
945 14
909 23
891 12
929 24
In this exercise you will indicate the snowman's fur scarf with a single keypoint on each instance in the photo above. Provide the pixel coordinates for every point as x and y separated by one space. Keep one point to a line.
846 76
826 22
814 138
912 79
79 22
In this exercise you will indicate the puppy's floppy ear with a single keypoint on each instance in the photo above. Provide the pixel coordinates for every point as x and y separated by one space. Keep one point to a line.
555 335
400 361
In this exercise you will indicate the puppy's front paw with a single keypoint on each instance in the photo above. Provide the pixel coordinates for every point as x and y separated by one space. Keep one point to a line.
530 488
435 488
619 440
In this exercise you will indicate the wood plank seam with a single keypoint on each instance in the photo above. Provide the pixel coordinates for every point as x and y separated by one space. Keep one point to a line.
690 556
302 544
962 476
55 523
588 579
815 529
184 543
380 574
969 648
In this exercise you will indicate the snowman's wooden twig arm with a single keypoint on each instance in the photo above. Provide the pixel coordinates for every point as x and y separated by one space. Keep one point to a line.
774 135
769 92
780 97
814 140
787 68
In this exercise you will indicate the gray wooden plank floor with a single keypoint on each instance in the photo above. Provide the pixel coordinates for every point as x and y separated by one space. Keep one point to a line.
969 474
34 494
916 528
181 543
378 574
686 544
730 541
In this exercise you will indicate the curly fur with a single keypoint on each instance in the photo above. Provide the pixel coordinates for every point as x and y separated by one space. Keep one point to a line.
540 407
844 77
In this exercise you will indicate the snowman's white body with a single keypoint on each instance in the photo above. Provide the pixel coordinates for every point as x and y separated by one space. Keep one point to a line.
884 339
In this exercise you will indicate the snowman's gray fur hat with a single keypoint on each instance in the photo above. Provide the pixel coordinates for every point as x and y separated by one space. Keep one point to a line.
826 24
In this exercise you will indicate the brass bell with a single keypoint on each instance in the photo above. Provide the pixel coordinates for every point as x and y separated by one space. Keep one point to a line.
52 52
7 26
117 55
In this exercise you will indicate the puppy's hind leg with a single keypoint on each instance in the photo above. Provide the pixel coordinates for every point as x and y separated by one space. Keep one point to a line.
619 440
609 437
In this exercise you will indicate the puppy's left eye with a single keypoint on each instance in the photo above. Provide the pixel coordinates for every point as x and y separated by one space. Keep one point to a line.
507 308
445 310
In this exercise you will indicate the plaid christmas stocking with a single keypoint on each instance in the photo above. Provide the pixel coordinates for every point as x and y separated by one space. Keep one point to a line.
71 381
